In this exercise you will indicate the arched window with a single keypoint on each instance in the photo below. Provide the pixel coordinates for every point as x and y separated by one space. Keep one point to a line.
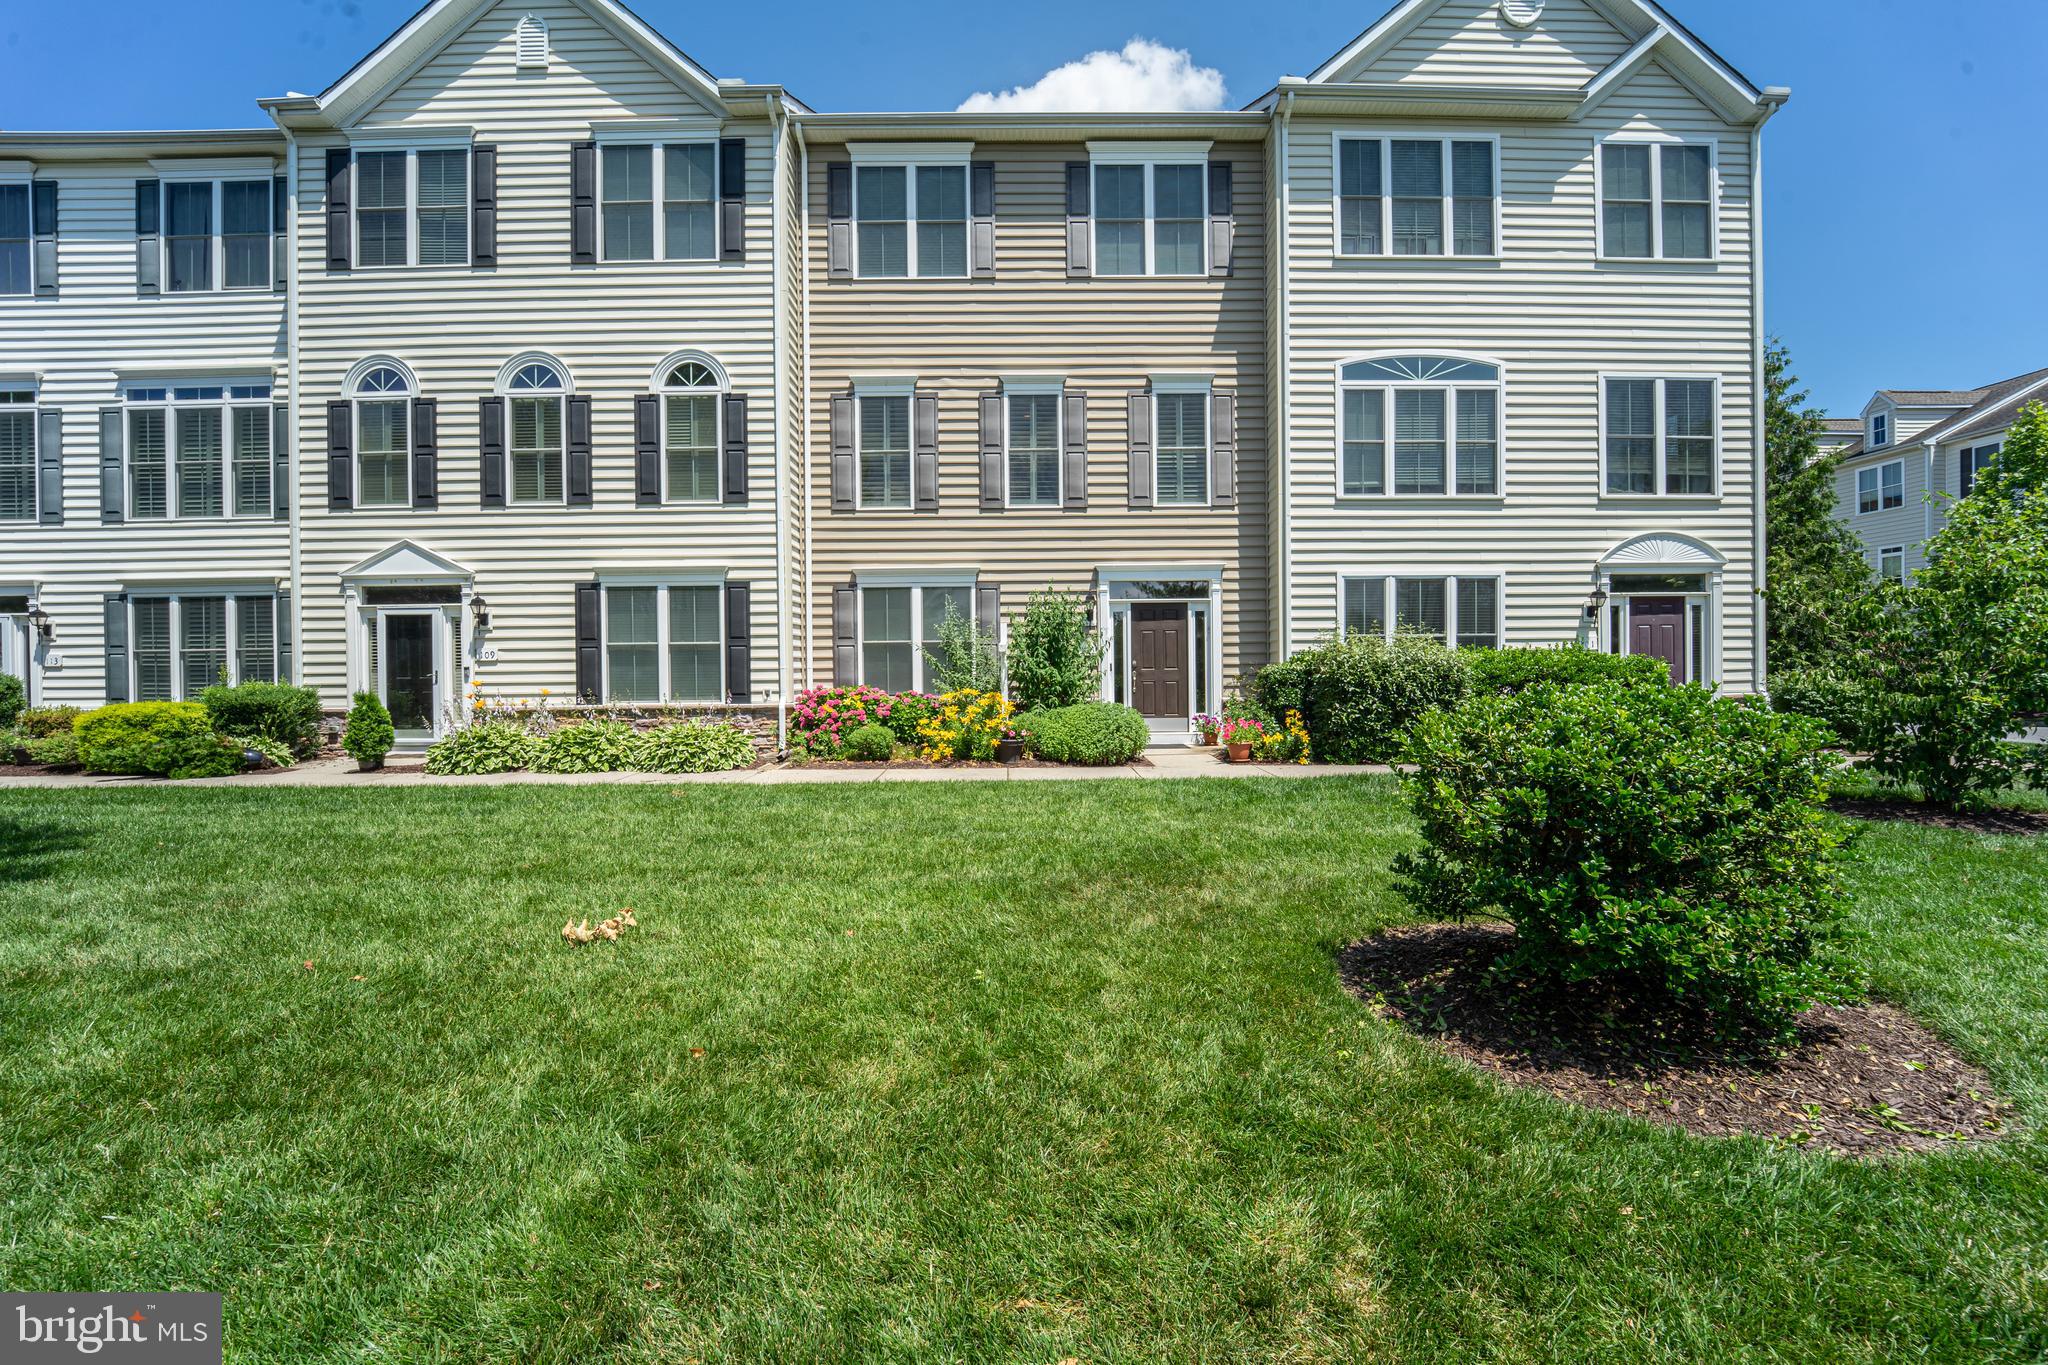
382 391
690 386
1438 416
534 387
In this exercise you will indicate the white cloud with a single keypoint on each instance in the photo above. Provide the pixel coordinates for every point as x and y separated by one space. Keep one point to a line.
1146 77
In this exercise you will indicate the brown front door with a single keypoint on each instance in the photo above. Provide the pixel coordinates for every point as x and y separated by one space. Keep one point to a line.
1656 626
1159 660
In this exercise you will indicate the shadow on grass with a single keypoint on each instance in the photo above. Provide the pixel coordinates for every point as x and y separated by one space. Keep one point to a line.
30 850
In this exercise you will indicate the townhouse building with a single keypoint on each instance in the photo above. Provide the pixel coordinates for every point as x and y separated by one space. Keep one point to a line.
530 356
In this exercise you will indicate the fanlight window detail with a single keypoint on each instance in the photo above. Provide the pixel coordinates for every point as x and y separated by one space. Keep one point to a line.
1421 369
383 379
691 374
536 378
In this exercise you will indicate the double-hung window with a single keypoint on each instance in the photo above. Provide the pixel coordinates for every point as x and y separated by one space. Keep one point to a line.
217 234
412 206
1182 427
198 451
910 221
383 402
17 453
659 201
1462 610
1151 218
1034 447
1657 200
1881 488
534 396
884 454
1972 463
1891 564
899 632
1880 429
664 642
183 643
15 239
1661 437
1417 196
689 432
1420 426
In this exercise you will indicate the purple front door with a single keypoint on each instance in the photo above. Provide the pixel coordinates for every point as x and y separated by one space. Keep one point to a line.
1656 626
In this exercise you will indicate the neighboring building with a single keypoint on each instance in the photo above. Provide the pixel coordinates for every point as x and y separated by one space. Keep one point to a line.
1910 454
529 357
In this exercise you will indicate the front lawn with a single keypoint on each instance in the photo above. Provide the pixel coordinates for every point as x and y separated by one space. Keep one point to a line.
918 1072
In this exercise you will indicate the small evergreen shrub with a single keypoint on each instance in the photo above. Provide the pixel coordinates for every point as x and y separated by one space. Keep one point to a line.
1504 672
55 751
591 746
368 736
13 697
1095 734
207 755
283 714
693 747
42 722
145 738
870 744
493 746
1656 843
1359 696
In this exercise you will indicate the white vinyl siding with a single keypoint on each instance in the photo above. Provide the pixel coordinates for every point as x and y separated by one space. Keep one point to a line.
1409 196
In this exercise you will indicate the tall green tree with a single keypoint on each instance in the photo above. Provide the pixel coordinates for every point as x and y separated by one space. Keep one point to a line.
1818 585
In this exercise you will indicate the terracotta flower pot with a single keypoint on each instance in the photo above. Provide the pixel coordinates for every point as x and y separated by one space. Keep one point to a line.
1241 753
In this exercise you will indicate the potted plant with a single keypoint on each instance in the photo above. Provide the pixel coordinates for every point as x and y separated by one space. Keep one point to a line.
1208 726
1010 748
1238 738
368 736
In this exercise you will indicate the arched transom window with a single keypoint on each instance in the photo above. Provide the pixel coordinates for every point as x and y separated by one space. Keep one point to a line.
690 391
1420 426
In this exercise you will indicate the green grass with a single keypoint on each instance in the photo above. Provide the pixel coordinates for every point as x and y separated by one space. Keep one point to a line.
990 1073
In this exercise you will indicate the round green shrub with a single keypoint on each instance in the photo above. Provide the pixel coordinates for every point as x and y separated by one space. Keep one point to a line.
870 744
1359 696
1658 843
693 747
591 746
283 714
368 736
13 697
491 747
1503 672
43 722
55 751
145 738
207 755
1094 734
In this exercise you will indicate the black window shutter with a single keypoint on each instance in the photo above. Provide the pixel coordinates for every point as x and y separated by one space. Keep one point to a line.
280 233
1223 449
281 629
1139 450
846 636
148 259
1078 238
1222 225
43 200
490 444
739 643
992 447
483 205
583 203
924 470
647 450
341 453
50 467
578 480
338 253
733 483
113 486
426 445
842 452
117 647
988 609
1074 448
281 461
589 643
981 214
839 220
732 198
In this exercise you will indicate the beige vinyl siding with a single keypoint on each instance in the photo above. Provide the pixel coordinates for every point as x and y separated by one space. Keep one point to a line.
610 325
1556 319
82 344
1465 42
1105 337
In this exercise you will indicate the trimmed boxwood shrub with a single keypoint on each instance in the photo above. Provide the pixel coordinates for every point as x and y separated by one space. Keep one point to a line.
1094 734
1360 695
870 744
494 746
151 739
1503 672
692 747
278 712
591 746
1655 842
368 735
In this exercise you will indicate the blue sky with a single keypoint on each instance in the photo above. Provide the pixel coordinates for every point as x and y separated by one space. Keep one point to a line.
1907 215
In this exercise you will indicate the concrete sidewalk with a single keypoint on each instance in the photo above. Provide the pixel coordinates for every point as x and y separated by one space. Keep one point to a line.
341 772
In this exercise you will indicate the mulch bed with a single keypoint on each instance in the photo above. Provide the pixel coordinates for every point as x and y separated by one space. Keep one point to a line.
1866 1080
33 770
1920 813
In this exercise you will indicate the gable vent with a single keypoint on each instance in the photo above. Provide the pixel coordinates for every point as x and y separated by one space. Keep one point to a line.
533 43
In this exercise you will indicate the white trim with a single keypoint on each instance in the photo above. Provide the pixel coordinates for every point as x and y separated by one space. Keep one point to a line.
444 699
1594 93
172 407
1037 388
1655 141
361 371
410 148
511 368
214 168
910 165
913 153
217 234
716 391
939 577
1663 551
1149 241
886 388
657 146
663 642
645 131
1147 153
1876 473
1660 434
1449 387
428 570
1386 196
1889 552
1389 575
408 137
1870 425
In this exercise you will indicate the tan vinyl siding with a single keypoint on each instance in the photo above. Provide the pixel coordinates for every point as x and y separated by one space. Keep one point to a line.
1556 319
610 325
82 344
1105 337
1466 42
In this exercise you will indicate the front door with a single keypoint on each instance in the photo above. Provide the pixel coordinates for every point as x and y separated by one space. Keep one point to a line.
411 681
1656 626
1159 660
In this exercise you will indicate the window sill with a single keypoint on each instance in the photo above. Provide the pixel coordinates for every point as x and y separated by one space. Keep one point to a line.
1688 264
688 262
225 518
1192 276
1660 499
1347 258
908 279
1408 499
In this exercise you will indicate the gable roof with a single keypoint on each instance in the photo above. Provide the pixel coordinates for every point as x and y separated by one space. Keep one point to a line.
1992 408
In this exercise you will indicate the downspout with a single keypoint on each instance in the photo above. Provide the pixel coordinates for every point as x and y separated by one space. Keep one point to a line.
291 354
803 266
1284 590
1772 100
777 122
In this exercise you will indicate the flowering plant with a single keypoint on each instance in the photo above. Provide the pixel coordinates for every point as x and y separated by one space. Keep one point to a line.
1288 744
1242 730
965 726
1208 725
821 718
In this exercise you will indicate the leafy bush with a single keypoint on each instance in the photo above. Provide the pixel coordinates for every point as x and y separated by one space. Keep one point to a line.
1055 655
55 751
692 747
1360 695
591 746
966 726
202 756
905 711
822 716
273 753
492 747
871 744
42 722
285 715
1825 695
966 660
1094 734
1657 842
368 736
13 696
145 738
1503 672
